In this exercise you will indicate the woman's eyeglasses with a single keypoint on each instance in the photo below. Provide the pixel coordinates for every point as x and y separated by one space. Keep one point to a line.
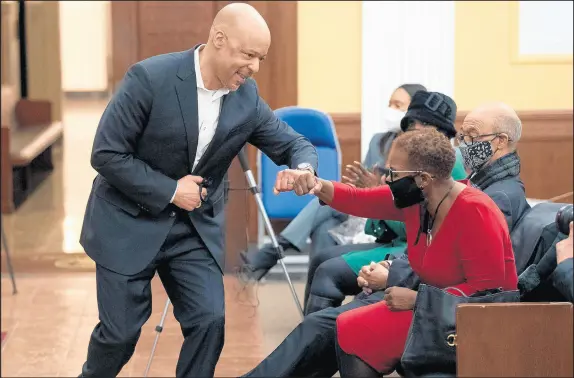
392 174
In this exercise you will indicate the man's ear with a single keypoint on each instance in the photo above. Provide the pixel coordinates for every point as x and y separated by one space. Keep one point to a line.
503 141
219 39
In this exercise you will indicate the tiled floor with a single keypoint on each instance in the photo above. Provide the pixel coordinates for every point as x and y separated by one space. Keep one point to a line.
49 321
48 325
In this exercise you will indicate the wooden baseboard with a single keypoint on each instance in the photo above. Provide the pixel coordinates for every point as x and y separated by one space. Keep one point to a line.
87 95
348 126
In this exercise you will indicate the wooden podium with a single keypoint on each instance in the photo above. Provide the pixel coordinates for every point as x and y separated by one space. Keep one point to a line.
514 340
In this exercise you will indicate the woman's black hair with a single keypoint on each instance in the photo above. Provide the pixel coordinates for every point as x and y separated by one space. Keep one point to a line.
384 143
411 89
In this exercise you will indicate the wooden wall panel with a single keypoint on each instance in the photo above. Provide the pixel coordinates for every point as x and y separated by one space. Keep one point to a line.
43 54
141 29
348 126
168 26
124 37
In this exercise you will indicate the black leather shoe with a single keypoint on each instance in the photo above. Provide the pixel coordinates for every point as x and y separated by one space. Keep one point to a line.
257 264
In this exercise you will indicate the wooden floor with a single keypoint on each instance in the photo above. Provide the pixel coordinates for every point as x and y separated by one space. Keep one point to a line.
48 325
49 321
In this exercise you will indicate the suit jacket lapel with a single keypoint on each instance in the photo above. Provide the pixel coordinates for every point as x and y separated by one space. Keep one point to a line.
187 97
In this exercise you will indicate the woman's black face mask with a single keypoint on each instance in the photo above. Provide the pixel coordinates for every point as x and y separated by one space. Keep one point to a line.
406 192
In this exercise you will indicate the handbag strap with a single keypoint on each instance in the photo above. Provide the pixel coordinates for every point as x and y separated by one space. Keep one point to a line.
456 289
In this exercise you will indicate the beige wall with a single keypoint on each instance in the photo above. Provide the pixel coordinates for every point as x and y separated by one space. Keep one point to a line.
10 58
486 71
84 32
329 55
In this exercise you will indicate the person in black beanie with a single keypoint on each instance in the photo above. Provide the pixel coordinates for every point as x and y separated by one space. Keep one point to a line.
431 108
333 271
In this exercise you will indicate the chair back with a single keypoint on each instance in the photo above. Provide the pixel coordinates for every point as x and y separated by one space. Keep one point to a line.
319 129
534 234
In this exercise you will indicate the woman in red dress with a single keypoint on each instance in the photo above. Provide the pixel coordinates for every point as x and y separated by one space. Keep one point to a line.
464 243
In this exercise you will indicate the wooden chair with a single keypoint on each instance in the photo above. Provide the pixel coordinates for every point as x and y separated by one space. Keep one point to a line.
27 136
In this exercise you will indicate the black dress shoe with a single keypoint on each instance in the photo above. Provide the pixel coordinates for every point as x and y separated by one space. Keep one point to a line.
257 264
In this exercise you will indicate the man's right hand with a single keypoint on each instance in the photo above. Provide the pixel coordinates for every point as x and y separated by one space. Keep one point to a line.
187 194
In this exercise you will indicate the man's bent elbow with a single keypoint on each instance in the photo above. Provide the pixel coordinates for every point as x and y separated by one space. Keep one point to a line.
99 160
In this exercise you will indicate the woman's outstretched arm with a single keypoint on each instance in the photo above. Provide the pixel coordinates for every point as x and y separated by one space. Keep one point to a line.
366 203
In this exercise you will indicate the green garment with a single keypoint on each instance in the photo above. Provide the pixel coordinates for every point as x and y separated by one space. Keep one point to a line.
357 259
458 172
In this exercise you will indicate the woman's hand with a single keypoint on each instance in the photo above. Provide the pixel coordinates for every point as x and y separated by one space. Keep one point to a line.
299 181
359 176
373 277
400 298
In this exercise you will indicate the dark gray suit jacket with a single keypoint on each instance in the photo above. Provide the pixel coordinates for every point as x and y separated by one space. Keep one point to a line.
146 140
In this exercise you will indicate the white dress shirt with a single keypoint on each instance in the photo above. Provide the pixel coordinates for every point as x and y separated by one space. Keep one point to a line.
208 109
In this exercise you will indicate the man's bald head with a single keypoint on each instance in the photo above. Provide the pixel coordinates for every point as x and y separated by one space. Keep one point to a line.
240 18
238 42
493 124
494 118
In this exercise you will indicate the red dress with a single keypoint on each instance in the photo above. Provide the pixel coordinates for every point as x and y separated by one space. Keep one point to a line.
471 251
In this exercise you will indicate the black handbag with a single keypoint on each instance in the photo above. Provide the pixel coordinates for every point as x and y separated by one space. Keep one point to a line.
430 346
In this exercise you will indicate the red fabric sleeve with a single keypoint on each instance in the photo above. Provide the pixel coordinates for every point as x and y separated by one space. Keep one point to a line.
374 203
482 244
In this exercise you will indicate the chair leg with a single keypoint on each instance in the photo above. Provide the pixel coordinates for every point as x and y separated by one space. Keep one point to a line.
9 262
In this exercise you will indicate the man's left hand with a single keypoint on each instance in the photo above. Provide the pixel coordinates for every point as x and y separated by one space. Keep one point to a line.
400 298
564 247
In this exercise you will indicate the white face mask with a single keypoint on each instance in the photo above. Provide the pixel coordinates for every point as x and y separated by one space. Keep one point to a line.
392 119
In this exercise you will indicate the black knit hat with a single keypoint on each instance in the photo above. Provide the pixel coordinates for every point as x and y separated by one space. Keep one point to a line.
434 108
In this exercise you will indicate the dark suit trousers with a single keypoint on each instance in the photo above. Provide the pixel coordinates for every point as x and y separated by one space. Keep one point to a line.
194 284
309 350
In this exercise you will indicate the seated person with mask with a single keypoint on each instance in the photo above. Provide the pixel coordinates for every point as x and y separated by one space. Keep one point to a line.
488 140
314 220
333 271
309 350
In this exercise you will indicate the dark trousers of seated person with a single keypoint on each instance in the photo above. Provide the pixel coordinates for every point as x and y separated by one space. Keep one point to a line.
330 278
309 350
